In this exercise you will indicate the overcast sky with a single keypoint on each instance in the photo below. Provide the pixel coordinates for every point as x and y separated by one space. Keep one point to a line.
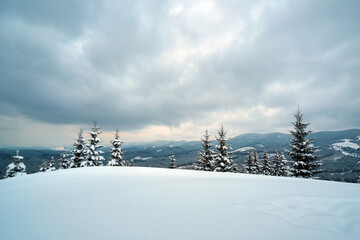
171 69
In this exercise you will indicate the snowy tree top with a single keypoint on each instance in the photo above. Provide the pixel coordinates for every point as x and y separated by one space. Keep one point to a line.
95 128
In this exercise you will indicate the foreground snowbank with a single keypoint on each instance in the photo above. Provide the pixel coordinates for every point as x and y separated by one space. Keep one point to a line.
150 203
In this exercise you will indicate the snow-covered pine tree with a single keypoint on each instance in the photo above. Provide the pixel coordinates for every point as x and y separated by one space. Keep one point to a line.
266 168
249 164
199 162
205 160
285 170
44 167
17 167
172 162
224 162
117 155
257 167
51 165
79 152
64 161
94 157
131 163
277 165
302 149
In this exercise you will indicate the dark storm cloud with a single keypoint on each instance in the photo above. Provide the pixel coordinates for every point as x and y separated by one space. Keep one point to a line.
135 63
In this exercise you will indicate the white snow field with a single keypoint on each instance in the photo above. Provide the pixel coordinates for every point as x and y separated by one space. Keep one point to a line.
151 203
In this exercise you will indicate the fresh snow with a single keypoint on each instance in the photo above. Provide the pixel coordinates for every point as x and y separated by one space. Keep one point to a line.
151 203
243 149
141 158
345 143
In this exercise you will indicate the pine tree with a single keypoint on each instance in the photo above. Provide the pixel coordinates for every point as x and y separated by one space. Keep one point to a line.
277 165
131 163
224 162
172 163
117 155
285 170
302 149
256 161
266 167
94 157
205 159
51 165
17 167
64 161
44 167
249 164
79 152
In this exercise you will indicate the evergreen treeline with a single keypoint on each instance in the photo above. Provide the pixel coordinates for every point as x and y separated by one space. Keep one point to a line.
302 151
211 157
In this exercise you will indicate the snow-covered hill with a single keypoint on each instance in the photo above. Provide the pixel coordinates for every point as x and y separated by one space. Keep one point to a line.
150 203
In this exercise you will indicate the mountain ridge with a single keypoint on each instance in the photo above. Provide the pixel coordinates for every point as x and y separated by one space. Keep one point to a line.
339 160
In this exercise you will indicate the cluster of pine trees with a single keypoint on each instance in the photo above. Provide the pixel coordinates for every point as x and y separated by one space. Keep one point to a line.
301 151
82 155
220 160
211 157
277 166
89 155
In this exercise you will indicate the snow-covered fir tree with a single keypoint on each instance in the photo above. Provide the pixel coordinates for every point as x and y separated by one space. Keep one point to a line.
131 163
285 171
116 152
277 165
64 160
257 167
205 159
44 167
94 157
266 168
17 167
249 164
51 165
302 149
79 152
172 162
224 162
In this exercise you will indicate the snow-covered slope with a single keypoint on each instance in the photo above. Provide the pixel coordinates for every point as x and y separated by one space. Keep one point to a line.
149 203
343 144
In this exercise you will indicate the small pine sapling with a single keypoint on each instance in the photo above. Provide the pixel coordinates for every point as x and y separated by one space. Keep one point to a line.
44 167
172 162
17 167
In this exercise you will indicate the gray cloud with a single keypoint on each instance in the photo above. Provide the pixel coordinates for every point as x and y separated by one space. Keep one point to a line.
131 64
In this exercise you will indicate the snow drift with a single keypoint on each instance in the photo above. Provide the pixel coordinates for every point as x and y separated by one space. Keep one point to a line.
150 203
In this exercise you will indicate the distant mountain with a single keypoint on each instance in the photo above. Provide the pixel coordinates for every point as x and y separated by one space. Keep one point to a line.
336 149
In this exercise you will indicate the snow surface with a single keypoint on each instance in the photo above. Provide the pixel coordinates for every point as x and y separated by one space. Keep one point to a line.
141 158
345 143
243 149
150 203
